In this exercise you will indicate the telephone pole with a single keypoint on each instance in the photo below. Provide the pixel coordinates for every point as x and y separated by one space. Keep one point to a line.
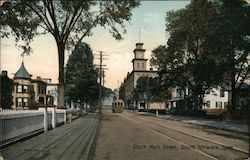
101 78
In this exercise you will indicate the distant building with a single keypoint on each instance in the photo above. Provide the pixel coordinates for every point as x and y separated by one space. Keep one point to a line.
29 93
116 94
52 89
107 100
139 69
215 98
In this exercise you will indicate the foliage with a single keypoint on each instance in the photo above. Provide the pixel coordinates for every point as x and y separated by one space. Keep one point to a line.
190 33
81 75
231 42
192 57
106 92
6 92
67 21
148 88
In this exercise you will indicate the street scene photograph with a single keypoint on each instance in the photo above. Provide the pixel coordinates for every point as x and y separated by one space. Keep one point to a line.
124 80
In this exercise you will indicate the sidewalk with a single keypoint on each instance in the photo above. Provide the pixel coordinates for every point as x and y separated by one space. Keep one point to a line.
223 125
70 141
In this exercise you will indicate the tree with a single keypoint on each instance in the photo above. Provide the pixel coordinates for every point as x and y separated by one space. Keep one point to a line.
6 92
81 75
151 88
67 21
190 62
231 42
106 91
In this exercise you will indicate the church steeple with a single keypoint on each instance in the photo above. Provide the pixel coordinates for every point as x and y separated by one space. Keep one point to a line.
139 61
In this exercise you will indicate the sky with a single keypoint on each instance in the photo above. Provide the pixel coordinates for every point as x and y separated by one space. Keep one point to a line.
149 17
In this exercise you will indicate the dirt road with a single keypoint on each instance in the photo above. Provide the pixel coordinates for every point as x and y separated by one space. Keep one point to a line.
130 136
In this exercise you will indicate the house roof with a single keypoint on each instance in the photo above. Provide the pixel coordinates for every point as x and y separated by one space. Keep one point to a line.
22 73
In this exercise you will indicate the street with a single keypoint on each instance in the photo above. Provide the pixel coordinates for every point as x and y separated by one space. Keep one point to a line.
128 136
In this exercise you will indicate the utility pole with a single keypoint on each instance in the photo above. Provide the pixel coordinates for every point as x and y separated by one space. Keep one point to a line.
101 78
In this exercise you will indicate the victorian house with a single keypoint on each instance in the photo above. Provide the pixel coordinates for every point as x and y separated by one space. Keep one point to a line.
29 93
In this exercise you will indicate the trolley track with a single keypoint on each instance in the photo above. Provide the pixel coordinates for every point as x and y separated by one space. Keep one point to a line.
224 151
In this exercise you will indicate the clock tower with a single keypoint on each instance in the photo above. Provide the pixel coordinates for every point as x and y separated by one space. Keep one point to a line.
139 61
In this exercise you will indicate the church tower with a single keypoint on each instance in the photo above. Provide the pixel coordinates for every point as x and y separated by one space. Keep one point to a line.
139 61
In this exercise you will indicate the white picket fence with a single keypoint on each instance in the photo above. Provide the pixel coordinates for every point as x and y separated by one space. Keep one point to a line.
15 125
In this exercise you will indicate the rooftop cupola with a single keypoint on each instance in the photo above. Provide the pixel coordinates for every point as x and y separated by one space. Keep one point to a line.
22 73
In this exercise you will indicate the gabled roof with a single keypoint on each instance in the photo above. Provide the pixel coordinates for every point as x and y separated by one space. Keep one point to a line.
22 73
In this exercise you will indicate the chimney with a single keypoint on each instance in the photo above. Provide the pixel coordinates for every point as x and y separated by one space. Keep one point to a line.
4 73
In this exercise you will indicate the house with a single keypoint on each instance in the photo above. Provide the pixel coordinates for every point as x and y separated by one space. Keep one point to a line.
29 93
243 96
177 98
215 98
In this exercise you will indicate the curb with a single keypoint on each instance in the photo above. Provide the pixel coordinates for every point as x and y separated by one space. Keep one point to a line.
213 127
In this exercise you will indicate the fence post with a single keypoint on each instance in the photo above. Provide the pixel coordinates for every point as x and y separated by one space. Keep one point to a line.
65 116
45 119
53 117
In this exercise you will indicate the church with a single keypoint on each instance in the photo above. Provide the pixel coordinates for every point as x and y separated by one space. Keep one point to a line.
139 69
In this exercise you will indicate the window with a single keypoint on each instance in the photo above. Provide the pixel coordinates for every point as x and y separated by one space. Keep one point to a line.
25 89
138 65
208 104
19 102
42 89
41 100
142 65
25 102
222 93
19 88
218 105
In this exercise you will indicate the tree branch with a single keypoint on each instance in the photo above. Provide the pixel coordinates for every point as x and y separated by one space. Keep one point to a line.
42 17
90 27
76 17
50 7
239 74
67 29
65 23
243 78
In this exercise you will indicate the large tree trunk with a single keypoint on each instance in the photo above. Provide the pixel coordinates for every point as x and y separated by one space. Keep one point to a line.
61 48
233 84
233 95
